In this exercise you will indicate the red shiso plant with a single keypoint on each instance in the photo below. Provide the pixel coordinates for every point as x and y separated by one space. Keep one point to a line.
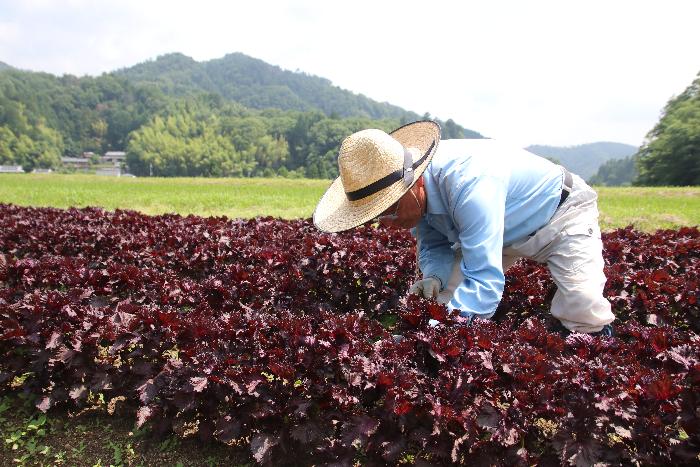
271 332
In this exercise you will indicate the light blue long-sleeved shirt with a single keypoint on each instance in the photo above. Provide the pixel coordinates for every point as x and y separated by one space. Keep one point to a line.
482 195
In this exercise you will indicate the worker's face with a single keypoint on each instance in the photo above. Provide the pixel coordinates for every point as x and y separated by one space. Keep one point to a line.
408 210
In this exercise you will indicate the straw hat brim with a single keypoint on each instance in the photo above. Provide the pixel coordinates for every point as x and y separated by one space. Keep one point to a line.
335 213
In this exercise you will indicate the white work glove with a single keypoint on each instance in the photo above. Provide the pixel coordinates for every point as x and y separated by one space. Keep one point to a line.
428 287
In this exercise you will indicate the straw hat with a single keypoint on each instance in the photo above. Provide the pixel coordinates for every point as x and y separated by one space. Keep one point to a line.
376 169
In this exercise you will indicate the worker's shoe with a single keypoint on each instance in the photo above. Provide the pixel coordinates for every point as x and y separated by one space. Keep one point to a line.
607 331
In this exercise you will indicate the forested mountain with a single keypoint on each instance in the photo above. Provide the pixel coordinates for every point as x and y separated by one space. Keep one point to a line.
4 66
259 85
176 117
585 159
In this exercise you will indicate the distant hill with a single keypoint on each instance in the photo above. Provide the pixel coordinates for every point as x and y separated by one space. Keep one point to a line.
585 159
256 84
4 66
259 85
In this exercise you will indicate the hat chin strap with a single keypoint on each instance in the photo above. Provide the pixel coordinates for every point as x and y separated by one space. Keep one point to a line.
406 173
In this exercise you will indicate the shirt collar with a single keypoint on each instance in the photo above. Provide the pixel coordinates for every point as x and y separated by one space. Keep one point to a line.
432 192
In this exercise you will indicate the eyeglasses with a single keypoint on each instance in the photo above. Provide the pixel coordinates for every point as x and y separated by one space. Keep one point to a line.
392 213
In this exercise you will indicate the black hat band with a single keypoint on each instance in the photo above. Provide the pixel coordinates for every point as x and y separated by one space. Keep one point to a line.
405 173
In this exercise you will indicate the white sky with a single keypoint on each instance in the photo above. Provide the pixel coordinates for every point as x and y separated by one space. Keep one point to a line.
533 72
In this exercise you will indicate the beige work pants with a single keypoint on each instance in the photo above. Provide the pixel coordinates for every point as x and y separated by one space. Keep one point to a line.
571 247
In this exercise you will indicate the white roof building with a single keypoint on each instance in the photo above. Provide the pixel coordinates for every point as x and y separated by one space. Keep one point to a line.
115 157
75 160
11 169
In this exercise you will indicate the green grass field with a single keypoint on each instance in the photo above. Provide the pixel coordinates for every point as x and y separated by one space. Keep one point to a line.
649 208
645 208
243 197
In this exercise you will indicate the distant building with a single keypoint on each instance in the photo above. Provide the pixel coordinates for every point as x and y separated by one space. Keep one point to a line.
112 172
113 157
109 171
11 169
42 171
76 162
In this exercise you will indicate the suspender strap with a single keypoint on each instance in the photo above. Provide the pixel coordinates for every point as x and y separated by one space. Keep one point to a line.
565 190
568 186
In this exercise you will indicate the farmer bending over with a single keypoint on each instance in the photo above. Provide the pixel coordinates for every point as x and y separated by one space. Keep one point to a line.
475 207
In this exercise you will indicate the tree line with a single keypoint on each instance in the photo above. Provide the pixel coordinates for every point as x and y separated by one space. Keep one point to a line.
670 154
43 117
